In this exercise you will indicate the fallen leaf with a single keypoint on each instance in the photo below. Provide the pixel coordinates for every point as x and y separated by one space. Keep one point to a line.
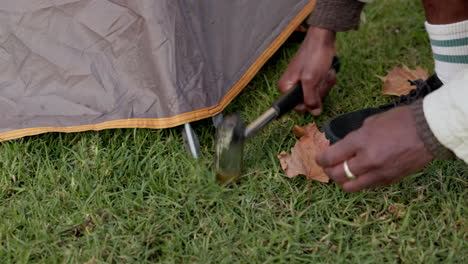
91 260
396 81
299 131
302 158
397 210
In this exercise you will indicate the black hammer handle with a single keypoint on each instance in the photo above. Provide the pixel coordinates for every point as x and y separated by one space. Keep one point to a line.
295 96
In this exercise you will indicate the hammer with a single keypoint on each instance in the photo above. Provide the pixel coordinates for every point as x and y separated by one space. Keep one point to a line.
232 133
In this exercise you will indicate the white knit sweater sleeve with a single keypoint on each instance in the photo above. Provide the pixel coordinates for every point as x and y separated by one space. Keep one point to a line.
446 112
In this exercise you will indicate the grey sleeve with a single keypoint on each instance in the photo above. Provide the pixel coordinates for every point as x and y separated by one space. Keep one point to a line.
425 133
336 15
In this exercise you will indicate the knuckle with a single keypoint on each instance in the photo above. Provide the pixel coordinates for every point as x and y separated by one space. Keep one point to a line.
282 85
369 120
362 136
330 173
322 160
311 103
371 160
347 188
309 77
373 163
353 134
356 138
337 174
300 110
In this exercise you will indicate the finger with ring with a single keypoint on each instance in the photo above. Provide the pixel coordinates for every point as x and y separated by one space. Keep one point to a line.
347 171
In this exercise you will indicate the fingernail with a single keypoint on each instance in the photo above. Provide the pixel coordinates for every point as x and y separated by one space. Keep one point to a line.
331 76
316 112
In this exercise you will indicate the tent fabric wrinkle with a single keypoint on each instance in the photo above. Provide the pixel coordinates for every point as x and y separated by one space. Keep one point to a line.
77 65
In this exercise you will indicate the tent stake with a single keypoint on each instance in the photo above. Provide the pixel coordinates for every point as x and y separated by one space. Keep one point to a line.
191 137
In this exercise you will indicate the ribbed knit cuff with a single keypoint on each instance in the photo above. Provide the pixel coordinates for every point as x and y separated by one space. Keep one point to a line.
425 133
336 15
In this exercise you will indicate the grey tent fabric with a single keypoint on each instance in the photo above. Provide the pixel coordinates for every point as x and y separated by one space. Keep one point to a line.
76 65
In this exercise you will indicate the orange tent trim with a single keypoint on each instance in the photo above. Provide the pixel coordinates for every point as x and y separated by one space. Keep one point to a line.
181 119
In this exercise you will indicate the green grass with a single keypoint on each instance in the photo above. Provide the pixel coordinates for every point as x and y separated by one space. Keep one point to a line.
134 195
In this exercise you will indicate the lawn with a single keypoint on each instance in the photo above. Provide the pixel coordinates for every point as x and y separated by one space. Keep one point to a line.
135 196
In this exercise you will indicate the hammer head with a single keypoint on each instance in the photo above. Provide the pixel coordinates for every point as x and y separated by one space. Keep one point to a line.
229 149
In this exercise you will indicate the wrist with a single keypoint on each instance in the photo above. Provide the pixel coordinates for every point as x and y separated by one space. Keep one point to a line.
321 35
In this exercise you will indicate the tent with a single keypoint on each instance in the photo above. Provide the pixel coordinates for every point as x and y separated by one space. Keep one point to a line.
78 65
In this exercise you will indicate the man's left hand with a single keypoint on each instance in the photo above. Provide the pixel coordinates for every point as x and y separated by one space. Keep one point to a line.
384 150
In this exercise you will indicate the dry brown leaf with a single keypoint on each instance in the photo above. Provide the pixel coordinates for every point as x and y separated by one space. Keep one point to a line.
302 158
396 81
397 210
299 131
91 260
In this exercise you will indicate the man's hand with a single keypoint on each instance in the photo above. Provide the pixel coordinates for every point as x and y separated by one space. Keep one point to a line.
311 67
384 150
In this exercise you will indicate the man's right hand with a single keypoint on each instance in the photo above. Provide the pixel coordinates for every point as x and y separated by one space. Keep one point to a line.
311 67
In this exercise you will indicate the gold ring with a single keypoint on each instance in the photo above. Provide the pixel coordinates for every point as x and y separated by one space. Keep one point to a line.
347 171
